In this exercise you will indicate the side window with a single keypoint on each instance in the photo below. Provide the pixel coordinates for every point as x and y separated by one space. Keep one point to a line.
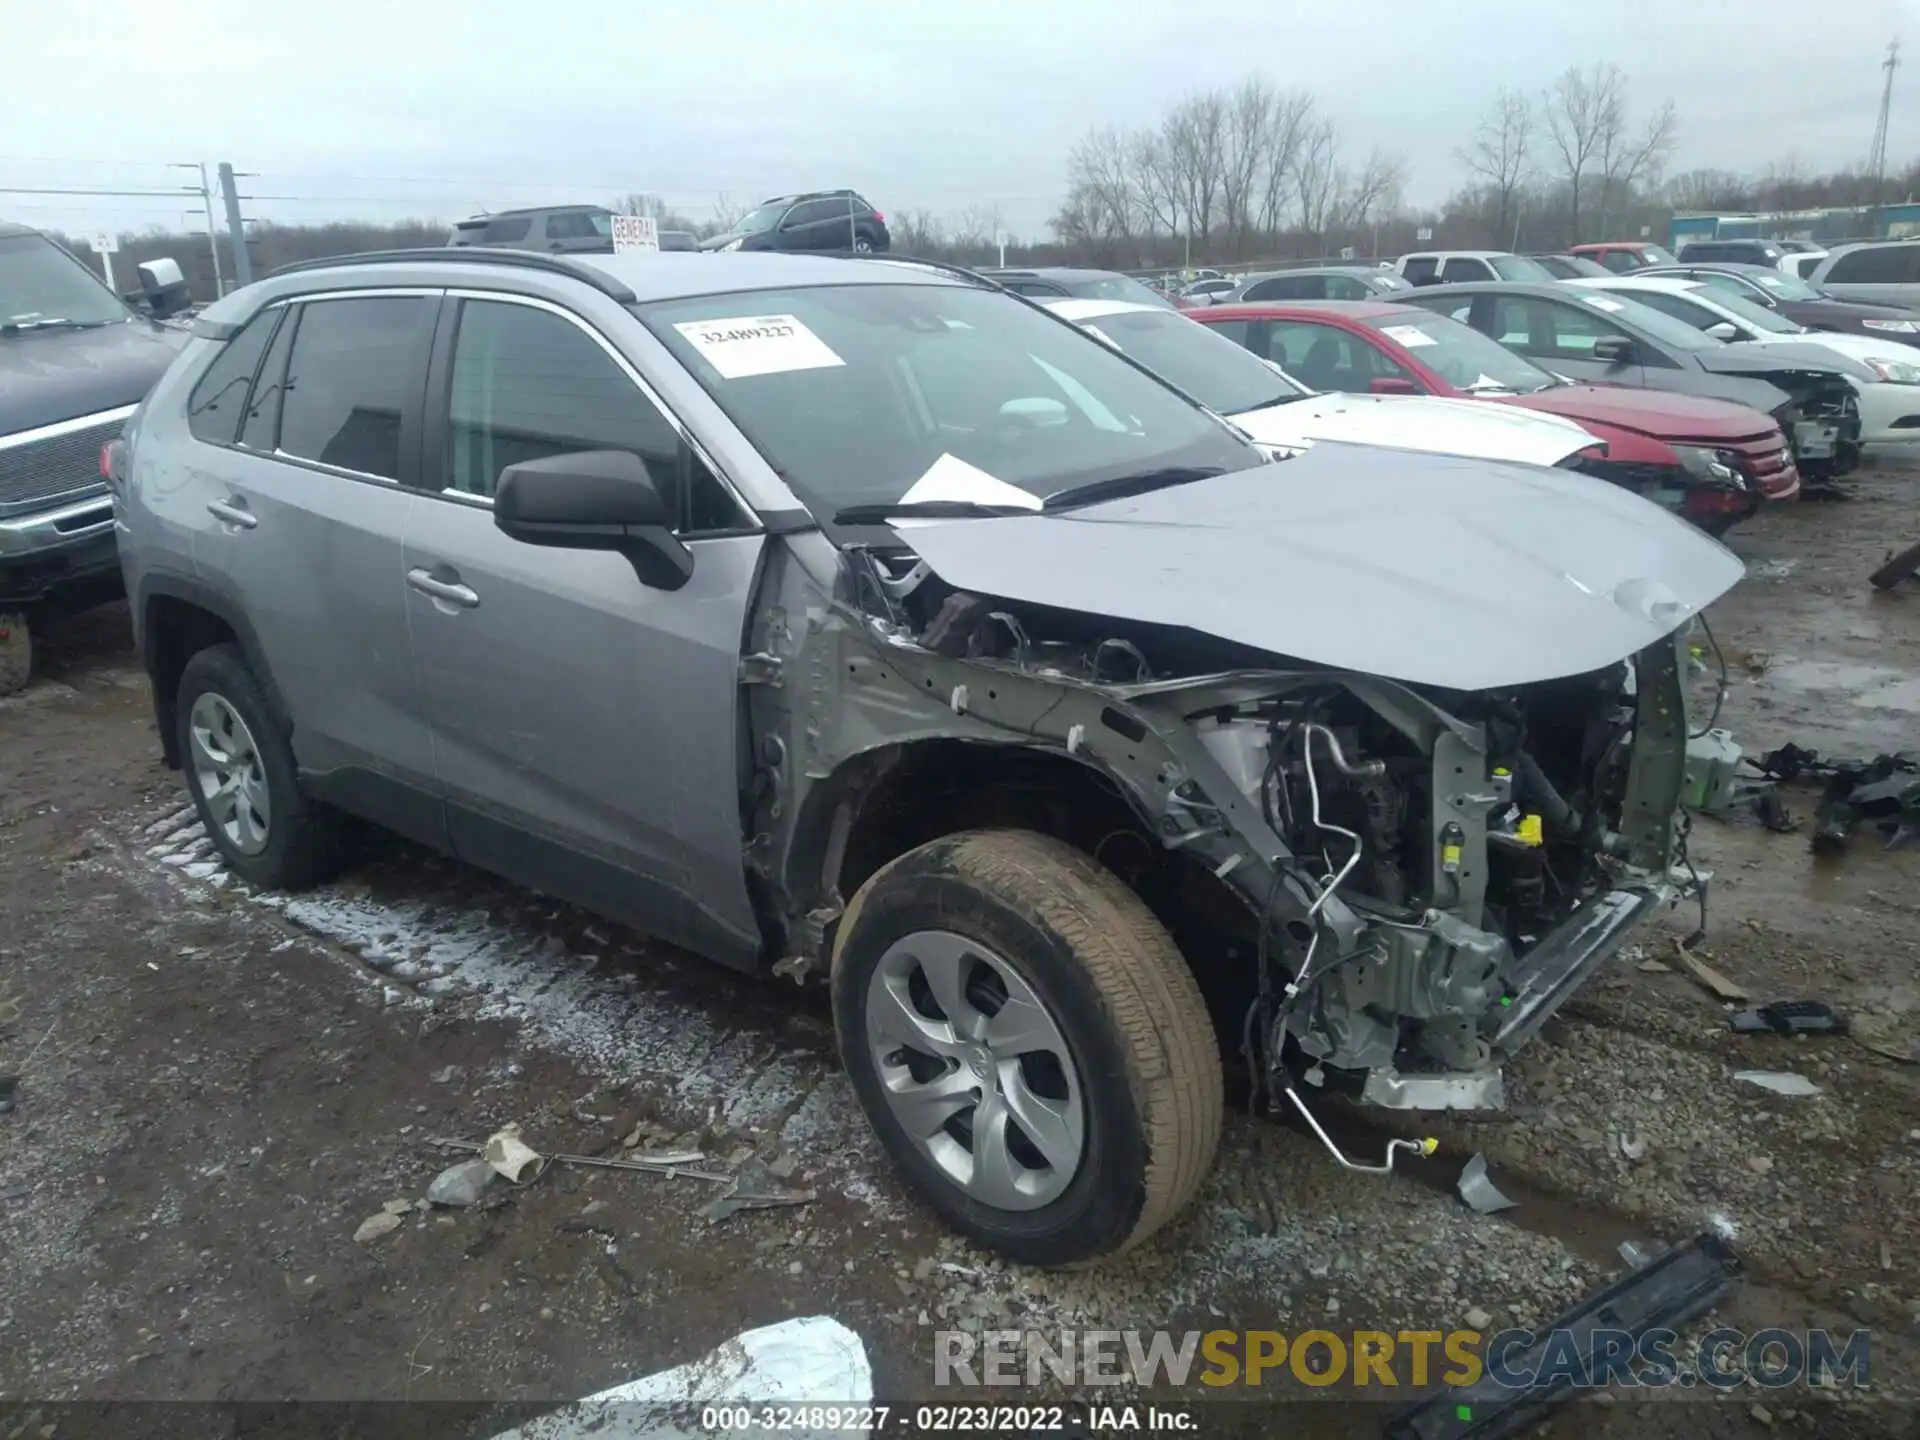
1877 265
1234 330
1281 288
214 406
1419 269
356 366
1527 326
1463 267
809 212
505 232
571 226
528 384
1682 309
1326 358
261 429
1345 287
1618 261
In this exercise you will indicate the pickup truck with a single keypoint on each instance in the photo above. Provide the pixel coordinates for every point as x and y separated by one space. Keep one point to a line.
75 358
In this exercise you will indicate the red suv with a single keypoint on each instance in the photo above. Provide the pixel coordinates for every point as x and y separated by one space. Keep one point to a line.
1624 256
1712 461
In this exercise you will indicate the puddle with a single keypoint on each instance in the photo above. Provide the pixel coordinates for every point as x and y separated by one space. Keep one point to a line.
1869 687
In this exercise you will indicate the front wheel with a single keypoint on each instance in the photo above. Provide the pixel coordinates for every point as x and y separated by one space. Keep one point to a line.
1028 1044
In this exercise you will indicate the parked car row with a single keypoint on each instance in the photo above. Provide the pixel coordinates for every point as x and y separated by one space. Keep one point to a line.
819 220
863 622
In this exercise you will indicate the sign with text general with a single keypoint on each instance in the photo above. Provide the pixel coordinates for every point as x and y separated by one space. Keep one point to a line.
635 232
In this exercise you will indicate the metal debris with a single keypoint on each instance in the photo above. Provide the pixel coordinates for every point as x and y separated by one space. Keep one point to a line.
651 1162
1633 1147
1706 975
1789 1017
1480 1193
755 1188
1780 1082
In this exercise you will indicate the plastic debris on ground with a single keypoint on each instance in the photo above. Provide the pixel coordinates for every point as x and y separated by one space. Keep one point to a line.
1780 1082
1483 1197
512 1158
1704 974
1788 1017
814 1360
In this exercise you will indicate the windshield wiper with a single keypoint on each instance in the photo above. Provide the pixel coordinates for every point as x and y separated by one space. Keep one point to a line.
1283 398
925 510
1124 485
12 326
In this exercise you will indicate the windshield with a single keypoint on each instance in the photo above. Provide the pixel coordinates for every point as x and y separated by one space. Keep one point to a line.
853 393
40 284
1756 315
1781 285
1115 287
764 218
1627 308
1519 267
1462 356
1214 370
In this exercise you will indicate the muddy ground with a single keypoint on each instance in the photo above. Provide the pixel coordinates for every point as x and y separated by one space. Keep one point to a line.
218 1088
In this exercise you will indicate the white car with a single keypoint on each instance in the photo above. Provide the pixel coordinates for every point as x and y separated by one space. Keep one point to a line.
1889 403
1285 417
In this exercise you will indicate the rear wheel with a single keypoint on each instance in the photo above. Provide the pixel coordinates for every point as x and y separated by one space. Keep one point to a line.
240 772
1028 1044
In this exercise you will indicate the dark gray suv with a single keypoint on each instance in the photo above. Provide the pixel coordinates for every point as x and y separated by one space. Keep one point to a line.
74 361
856 620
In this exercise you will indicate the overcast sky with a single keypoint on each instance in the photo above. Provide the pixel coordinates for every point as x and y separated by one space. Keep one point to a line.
385 108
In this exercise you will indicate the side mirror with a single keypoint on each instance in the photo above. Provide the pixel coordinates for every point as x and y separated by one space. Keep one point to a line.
163 287
1613 350
594 500
1392 385
1723 330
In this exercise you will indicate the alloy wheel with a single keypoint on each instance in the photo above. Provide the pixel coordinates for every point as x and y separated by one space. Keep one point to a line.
976 1070
227 768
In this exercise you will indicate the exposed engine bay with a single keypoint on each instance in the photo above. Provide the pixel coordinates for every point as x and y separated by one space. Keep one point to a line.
1385 888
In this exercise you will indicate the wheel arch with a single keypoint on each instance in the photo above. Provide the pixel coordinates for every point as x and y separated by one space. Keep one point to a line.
177 617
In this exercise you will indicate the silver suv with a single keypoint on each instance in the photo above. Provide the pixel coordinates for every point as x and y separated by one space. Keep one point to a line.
858 620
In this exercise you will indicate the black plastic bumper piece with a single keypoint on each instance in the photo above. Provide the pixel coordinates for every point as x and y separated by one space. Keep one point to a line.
1666 1293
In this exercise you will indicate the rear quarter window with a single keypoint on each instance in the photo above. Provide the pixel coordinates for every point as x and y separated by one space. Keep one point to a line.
1878 265
219 401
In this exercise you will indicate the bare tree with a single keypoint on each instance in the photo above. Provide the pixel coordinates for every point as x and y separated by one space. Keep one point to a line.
1374 187
1499 155
917 232
726 211
1193 140
1316 181
1288 125
1580 108
1155 184
1629 156
1103 206
1249 125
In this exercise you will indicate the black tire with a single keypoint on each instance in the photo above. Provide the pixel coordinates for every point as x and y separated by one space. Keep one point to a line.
303 842
1897 568
1116 988
16 651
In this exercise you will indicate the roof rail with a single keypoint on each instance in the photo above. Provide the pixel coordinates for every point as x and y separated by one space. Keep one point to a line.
945 266
475 255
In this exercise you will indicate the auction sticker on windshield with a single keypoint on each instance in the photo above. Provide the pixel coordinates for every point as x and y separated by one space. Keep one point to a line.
1411 336
740 346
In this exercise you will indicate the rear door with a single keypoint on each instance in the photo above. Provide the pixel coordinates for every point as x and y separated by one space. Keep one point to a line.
1464 269
304 513
585 725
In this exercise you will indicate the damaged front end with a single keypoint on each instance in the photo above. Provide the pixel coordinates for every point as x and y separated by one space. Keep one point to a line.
1385 886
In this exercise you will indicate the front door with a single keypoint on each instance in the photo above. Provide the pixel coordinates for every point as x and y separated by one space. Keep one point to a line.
585 726
1559 337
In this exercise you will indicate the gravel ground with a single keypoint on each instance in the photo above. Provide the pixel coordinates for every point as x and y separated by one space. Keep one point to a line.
220 1088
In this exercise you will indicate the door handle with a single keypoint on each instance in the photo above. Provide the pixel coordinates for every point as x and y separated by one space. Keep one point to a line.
232 512
460 595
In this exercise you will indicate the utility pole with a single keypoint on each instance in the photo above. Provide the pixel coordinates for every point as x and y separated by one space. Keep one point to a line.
1877 158
236 229
213 232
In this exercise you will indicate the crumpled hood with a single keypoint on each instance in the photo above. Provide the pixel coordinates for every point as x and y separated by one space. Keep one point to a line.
1419 422
1762 358
53 375
1428 569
